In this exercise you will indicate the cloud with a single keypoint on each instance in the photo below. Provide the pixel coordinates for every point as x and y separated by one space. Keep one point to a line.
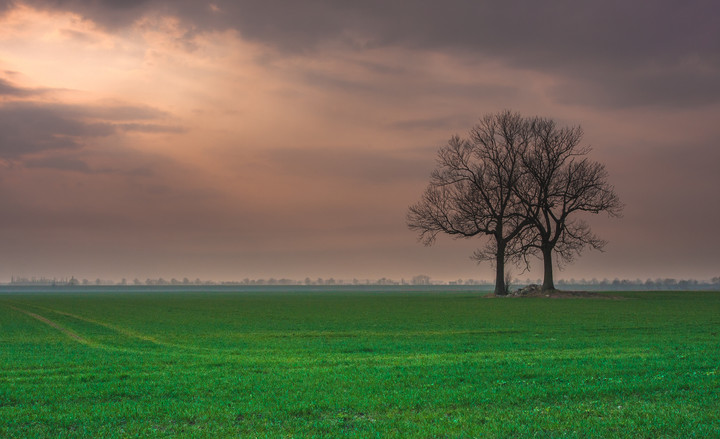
109 13
27 128
60 163
78 36
366 166
8 89
30 127
542 33
78 162
447 123
149 128
109 111
681 88
618 50
384 87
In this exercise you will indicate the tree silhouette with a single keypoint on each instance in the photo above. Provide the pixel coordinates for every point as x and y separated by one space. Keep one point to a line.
473 189
559 183
521 181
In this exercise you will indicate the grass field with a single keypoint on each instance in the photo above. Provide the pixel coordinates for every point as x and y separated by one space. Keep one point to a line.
358 364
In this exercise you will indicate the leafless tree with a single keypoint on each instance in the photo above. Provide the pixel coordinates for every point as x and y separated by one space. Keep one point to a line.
472 192
523 182
558 183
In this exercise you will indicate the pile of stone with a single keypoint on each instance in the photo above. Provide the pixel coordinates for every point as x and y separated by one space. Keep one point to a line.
530 290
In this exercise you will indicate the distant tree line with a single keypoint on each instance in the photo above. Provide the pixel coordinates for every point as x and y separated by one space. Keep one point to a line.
418 280
160 281
639 284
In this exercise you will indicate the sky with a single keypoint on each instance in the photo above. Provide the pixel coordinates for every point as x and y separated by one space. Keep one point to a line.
248 138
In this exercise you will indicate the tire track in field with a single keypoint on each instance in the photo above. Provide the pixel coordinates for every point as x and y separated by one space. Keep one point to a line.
75 336
195 351
49 322
123 331
127 332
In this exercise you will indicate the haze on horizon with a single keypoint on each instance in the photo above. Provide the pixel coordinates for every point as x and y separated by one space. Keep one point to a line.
255 139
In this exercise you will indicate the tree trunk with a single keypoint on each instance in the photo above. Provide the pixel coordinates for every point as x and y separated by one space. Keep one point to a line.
548 283
500 270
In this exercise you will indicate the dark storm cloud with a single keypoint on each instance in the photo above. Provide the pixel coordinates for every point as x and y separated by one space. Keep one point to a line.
27 128
679 89
635 43
32 127
8 89
632 42
109 13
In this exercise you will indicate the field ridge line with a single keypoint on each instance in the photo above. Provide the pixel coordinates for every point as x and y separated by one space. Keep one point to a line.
192 350
124 331
49 322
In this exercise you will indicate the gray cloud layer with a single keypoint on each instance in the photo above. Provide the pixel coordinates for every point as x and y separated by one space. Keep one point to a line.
8 89
33 126
622 53
27 128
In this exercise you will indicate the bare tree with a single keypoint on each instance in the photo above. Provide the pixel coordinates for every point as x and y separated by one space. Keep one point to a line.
472 192
559 183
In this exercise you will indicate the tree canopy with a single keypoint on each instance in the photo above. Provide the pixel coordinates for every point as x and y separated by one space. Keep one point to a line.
521 182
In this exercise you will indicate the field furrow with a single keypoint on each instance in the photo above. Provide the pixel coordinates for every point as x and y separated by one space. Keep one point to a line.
49 322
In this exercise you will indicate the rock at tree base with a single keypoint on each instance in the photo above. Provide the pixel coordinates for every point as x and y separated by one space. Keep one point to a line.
530 290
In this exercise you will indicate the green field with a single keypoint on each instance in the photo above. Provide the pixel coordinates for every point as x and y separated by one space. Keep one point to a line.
358 364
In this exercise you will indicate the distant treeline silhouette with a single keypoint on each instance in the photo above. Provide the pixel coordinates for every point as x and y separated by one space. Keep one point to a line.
418 280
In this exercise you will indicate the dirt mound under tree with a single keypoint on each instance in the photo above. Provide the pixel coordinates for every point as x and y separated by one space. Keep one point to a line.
534 290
